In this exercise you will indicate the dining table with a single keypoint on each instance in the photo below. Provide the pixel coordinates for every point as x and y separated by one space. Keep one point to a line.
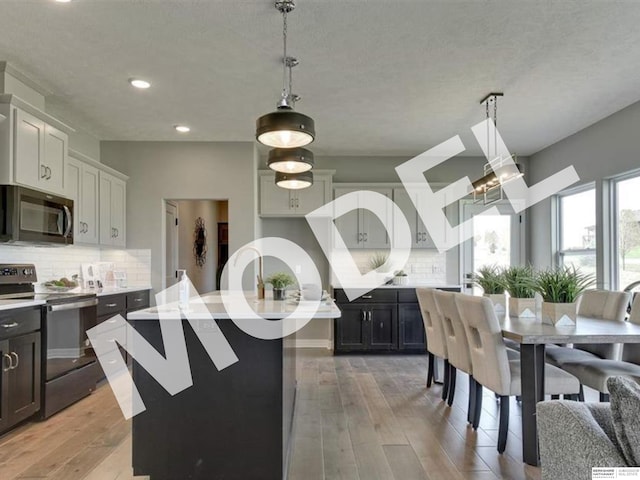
533 336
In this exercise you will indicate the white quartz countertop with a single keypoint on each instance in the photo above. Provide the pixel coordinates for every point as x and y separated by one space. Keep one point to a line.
20 303
409 285
210 305
100 292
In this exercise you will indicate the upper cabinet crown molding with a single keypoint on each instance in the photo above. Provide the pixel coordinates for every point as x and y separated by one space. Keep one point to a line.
95 163
8 98
6 67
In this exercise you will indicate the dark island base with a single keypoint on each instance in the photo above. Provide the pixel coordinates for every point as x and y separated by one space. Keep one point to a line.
231 424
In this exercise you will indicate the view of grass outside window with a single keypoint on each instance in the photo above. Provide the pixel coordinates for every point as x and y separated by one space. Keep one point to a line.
628 230
577 216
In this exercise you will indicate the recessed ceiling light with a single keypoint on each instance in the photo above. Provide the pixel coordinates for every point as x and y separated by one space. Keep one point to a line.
63 1
139 83
182 128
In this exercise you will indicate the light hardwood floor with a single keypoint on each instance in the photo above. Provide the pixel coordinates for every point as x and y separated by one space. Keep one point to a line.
357 418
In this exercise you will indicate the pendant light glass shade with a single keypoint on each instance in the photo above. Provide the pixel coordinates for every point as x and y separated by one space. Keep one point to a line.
294 181
290 160
285 128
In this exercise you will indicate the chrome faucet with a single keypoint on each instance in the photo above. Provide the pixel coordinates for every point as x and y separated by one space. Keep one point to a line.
260 284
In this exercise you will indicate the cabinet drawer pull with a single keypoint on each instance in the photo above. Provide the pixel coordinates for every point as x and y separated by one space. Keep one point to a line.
10 325
43 168
48 173
6 357
137 299
111 305
364 315
369 314
367 296
13 367
365 237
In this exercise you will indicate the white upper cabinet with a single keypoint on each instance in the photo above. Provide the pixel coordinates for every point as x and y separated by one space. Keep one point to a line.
360 227
33 147
419 234
112 194
39 153
280 202
81 182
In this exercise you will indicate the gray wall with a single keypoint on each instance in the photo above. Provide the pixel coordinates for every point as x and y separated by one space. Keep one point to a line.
203 277
606 148
188 171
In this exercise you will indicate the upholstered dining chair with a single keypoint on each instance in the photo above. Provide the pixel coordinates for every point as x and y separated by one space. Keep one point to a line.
491 365
595 372
602 304
436 345
457 347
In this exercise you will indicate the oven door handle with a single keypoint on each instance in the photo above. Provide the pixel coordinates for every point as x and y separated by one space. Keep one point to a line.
69 218
73 306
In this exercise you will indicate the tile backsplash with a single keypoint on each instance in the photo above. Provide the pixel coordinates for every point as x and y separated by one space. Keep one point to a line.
423 266
56 262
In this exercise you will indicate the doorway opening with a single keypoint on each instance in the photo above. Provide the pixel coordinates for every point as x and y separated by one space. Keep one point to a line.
196 240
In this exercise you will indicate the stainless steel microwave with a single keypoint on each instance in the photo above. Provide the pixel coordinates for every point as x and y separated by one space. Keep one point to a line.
32 216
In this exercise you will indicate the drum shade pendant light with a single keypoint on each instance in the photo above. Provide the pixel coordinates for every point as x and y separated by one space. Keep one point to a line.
290 160
294 181
285 128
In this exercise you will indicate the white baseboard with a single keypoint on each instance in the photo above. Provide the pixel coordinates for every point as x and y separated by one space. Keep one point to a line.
313 343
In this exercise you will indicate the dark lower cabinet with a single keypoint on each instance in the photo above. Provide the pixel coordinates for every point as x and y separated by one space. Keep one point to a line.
382 326
120 304
385 320
410 329
20 363
350 328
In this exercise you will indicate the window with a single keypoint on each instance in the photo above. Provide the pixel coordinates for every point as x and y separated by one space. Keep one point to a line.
577 230
627 230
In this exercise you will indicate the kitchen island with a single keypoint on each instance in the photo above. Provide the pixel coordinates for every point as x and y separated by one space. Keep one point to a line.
233 423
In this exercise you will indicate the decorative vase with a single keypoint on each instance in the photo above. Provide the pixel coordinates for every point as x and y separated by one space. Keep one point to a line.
522 307
559 314
278 293
499 302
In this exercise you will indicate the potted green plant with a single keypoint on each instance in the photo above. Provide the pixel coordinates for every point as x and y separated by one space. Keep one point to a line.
520 282
490 279
560 288
400 278
280 281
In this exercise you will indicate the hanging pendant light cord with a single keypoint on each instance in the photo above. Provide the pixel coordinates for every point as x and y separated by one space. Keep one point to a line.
285 93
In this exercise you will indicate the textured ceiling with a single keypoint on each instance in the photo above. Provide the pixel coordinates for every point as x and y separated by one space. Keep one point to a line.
378 77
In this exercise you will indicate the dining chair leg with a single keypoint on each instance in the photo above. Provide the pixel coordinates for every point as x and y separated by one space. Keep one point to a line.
445 383
478 406
472 399
430 370
604 397
504 423
581 394
452 384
